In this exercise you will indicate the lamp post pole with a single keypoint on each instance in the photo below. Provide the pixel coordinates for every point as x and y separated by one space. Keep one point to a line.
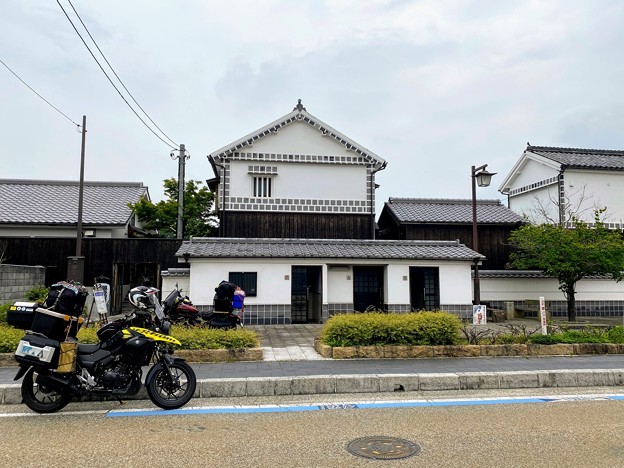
482 177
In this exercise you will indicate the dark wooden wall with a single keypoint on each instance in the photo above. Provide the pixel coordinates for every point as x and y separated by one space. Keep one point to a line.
100 254
493 239
296 225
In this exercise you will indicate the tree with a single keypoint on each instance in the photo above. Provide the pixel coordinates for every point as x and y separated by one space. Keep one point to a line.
162 217
569 254
554 210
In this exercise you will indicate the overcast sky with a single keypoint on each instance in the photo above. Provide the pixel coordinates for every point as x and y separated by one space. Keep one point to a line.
433 87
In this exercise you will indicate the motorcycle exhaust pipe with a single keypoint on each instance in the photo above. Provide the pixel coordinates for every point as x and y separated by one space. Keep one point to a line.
55 382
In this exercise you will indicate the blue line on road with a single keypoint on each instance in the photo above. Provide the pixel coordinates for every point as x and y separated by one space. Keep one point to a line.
359 405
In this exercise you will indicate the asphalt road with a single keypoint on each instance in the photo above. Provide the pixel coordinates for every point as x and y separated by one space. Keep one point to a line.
584 433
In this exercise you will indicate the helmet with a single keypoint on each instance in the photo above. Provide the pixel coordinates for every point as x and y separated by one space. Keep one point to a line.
141 297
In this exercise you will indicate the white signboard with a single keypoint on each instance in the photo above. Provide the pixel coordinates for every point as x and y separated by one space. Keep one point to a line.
543 318
100 302
479 315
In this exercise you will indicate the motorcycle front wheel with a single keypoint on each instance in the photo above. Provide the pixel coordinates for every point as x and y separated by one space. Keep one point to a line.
171 392
40 398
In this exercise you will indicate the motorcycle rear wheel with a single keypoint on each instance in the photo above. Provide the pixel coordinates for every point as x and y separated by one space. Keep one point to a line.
40 398
168 393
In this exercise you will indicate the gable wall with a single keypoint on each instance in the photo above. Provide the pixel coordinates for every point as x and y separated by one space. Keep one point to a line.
301 138
533 171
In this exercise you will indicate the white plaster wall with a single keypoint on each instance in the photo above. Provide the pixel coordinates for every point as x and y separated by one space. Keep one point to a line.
533 171
598 188
519 289
169 284
273 288
602 189
397 289
455 283
526 203
298 138
339 285
300 180
45 231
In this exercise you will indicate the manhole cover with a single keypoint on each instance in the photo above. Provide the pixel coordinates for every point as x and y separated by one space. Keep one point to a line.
382 448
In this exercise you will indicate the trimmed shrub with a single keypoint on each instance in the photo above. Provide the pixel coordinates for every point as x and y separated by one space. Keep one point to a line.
544 339
205 338
369 329
37 294
4 308
616 334
191 338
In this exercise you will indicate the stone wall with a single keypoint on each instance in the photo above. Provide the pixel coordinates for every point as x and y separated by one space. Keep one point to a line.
15 280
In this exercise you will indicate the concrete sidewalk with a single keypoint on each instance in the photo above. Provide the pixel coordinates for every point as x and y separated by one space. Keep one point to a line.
292 367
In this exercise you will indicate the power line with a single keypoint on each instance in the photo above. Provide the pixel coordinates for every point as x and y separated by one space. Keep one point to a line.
117 76
46 101
111 81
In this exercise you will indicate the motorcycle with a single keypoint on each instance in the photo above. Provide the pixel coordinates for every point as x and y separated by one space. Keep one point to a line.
148 311
179 309
54 372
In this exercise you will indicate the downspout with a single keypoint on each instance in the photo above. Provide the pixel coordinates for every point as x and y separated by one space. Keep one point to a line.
222 178
561 197
372 196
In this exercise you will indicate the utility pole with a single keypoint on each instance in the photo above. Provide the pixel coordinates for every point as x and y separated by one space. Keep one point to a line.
75 265
81 189
182 157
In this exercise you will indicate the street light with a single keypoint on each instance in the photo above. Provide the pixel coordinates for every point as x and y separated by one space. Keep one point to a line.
481 177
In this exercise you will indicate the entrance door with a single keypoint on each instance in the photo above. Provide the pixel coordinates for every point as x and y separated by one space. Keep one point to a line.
424 288
306 294
368 289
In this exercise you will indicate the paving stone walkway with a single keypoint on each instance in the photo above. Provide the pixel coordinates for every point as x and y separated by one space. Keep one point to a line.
288 342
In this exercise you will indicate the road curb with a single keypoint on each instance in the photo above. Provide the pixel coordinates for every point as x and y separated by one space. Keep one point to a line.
374 383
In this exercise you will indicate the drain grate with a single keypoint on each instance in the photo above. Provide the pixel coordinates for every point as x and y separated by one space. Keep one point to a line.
382 448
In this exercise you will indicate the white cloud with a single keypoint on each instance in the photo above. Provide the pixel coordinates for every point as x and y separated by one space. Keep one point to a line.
432 86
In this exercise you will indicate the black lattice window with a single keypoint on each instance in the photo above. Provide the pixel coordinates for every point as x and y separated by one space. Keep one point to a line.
248 281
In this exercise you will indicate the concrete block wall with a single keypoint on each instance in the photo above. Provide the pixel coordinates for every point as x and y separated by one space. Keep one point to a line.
15 280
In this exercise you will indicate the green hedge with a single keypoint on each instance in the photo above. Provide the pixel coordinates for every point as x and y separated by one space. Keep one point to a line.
588 335
191 338
368 329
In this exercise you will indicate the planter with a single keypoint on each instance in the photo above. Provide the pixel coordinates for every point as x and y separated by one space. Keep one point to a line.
415 352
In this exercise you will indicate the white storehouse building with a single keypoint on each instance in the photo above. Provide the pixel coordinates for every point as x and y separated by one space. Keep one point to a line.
296 204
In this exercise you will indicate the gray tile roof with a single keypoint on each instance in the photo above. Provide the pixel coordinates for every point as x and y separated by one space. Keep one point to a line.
448 211
504 274
56 202
582 158
326 248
